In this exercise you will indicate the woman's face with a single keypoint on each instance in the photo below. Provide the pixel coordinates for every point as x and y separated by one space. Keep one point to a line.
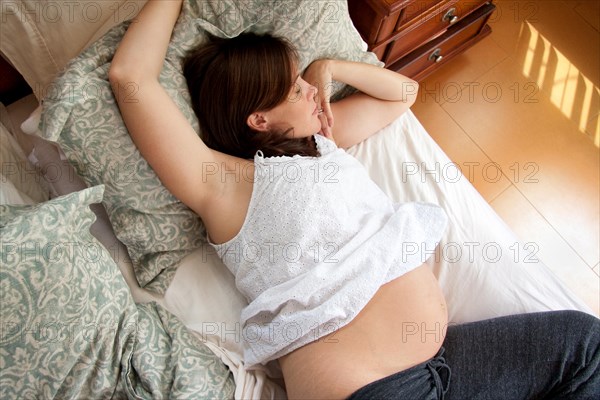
300 111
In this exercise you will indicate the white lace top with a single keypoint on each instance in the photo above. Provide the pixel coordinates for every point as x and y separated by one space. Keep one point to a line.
318 241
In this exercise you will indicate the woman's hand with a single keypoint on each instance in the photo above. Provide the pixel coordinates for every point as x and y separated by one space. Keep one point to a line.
382 96
319 75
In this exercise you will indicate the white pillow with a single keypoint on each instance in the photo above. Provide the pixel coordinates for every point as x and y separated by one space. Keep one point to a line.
39 38
21 184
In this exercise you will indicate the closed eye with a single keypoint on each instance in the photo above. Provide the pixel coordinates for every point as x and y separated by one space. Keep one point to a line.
296 92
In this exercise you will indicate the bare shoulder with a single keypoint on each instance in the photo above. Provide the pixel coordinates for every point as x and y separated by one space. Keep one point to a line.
231 181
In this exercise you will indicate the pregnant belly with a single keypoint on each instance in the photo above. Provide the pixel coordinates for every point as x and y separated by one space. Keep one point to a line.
403 325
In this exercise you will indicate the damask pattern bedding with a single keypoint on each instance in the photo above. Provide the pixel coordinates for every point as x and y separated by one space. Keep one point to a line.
148 352
70 328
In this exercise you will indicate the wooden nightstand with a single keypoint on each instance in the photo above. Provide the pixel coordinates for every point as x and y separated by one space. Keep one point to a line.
415 37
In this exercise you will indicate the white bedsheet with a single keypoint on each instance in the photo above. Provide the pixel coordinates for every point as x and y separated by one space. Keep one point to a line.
483 268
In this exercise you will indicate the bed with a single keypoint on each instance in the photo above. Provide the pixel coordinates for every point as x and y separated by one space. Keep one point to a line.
70 327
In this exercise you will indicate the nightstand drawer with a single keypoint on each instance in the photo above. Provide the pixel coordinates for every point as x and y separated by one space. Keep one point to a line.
428 57
416 10
378 21
400 31
421 28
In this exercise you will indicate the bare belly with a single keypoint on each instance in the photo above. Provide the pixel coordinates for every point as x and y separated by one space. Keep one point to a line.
403 325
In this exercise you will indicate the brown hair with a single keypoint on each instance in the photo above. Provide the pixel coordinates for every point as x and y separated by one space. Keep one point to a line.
229 79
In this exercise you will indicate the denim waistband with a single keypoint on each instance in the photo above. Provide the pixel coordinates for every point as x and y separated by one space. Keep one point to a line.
428 381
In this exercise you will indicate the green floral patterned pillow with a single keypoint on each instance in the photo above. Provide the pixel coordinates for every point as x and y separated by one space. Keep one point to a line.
68 319
70 328
169 362
81 114
318 29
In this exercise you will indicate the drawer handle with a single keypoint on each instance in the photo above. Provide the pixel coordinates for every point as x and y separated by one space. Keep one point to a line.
450 17
436 56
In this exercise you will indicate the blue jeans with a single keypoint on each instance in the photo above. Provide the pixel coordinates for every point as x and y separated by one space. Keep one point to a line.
548 355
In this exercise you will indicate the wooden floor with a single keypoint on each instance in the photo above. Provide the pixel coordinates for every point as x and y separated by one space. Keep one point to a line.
519 112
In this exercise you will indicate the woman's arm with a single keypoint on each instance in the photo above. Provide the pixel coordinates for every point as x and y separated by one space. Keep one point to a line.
143 48
384 95
159 129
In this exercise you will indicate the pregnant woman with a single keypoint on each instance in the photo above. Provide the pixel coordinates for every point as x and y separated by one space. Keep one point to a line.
318 254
